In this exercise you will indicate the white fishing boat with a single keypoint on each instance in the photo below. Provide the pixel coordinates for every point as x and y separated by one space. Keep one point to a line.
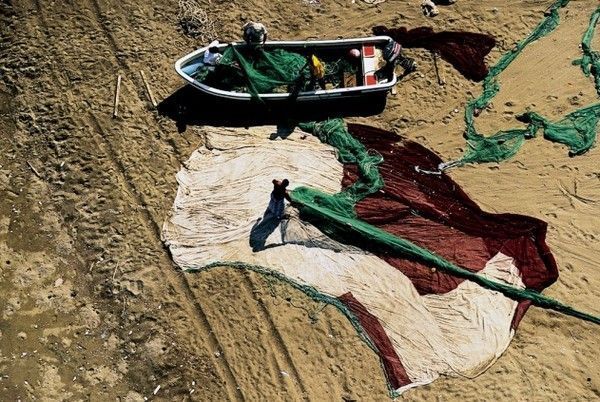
354 68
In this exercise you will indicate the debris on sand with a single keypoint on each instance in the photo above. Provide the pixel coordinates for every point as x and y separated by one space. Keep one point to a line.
194 21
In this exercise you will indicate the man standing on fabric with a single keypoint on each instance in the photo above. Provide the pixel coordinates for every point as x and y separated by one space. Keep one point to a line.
278 195
254 33
272 217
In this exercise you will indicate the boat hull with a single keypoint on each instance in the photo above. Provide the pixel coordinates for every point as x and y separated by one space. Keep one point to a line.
188 64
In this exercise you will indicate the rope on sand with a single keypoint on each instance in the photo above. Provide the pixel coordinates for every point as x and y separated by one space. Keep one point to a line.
195 21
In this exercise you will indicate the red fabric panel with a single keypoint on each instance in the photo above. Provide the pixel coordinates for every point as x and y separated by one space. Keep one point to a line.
435 213
368 51
394 369
370 79
466 51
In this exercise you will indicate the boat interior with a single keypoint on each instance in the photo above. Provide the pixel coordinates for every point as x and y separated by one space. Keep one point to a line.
358 72
342 71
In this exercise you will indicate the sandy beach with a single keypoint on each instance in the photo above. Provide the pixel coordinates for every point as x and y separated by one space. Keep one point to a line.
92 306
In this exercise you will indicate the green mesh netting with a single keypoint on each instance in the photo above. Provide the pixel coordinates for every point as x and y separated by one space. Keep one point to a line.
590 62
500 146
577 130
259 71
350 150
334 215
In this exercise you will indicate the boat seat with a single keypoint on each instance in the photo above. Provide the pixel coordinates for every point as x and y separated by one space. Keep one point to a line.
369 62
370 79
368 51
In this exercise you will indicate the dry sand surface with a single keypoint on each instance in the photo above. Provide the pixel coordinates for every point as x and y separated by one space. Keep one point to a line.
91 305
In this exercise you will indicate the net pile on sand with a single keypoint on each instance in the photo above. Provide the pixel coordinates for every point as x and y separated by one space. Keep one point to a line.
195 21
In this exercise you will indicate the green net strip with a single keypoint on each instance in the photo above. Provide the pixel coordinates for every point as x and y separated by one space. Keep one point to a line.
350 150
265 70
590 62
490 83
576 130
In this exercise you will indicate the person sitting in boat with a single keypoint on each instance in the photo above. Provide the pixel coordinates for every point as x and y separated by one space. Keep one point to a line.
392 54
254 33
212 56
317 72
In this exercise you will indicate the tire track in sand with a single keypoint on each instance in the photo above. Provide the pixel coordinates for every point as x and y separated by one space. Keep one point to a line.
276 339
116 52
178 281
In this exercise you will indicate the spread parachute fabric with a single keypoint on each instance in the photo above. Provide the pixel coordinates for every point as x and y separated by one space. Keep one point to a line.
217 216
375 255
577 130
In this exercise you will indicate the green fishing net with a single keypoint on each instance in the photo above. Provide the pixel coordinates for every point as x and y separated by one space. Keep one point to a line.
590 62
258 71
577 130
335 216
350 150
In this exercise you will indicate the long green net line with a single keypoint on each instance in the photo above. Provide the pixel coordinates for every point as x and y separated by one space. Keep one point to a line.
350 150
334 215
309 291
577 130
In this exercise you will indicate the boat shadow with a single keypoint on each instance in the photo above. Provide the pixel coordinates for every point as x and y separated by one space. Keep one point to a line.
190 107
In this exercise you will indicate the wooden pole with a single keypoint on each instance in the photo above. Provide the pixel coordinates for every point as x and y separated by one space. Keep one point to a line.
35 172
440 78
117 94
148 90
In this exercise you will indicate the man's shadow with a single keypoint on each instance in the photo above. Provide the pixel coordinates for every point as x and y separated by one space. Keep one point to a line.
262 229
190 106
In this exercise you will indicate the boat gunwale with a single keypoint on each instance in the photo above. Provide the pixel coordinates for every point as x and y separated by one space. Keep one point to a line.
302 96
